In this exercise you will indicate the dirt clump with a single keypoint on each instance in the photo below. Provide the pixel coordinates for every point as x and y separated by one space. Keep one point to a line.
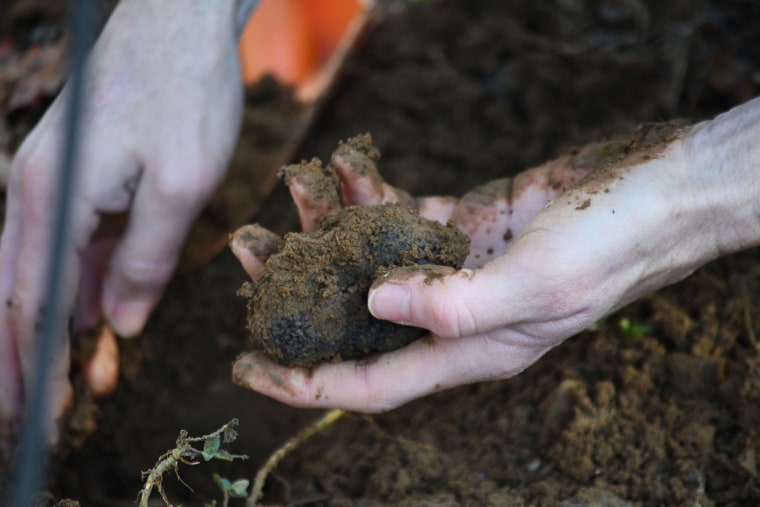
310 302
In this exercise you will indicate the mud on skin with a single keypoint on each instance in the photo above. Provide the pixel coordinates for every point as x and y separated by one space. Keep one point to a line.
309 304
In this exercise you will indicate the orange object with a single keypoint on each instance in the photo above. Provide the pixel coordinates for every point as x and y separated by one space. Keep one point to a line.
101 371
303 43
300 42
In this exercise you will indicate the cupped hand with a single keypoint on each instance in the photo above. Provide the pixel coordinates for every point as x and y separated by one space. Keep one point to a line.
553 250
163 106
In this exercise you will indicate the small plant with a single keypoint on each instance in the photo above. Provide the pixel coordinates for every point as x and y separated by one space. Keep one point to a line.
184 452
237 489
632 330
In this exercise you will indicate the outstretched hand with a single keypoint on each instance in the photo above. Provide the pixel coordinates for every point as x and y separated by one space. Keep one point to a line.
553 250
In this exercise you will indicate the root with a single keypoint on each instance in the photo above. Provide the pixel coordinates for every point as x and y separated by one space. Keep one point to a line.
293 443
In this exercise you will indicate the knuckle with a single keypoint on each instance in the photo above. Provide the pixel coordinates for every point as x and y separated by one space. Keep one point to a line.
32 173
186 187
376 399
450 316
140 273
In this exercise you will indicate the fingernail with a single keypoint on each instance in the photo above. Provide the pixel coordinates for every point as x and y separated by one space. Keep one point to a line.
129 316
390 301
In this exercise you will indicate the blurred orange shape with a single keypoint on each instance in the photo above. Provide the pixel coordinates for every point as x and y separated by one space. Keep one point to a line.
301 42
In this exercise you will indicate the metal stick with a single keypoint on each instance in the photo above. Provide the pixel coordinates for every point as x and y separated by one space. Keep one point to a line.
29 475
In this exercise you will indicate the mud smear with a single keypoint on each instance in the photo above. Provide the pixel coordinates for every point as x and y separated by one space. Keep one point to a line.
607 160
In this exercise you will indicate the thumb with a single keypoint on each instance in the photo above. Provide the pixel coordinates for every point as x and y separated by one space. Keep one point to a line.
449 303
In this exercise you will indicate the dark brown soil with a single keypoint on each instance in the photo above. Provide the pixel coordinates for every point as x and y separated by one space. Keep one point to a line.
309 305
657 405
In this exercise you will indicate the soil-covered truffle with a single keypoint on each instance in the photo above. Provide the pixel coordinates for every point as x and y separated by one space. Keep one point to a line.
310 302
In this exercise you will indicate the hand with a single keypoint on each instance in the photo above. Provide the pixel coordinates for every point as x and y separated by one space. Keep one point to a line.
163 106
651 208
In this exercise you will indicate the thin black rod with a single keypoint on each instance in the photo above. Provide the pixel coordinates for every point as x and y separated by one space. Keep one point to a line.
29 472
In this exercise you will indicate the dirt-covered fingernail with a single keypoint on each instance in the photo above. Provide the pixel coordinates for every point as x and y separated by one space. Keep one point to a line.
254 371
313 181
257 240
426 272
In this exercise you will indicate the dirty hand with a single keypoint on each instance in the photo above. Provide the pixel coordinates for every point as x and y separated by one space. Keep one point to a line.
163 107
648 210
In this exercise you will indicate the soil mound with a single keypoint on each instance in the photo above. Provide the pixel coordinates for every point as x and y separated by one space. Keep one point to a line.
310 303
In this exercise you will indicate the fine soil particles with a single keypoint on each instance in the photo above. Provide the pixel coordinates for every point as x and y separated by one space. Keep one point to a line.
310 303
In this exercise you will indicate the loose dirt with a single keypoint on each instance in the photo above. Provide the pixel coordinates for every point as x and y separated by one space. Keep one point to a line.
309 305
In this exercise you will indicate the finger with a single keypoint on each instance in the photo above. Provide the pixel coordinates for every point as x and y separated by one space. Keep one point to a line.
314 189
101 372
438 209
95 258
527 283
450 305
10 245
10 241
356 163
165 205
363 186
252 245
388 380
37 191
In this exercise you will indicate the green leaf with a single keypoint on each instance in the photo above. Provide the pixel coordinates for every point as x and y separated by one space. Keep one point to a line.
211 448
239 488
223 483
224 455
633 330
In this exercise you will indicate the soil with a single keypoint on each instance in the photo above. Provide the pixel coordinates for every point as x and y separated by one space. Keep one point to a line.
303 313
309 304
656 405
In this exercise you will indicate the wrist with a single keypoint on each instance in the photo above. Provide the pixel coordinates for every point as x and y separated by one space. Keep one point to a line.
723 157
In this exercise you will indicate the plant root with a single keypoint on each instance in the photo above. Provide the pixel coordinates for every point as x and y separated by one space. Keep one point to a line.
292 443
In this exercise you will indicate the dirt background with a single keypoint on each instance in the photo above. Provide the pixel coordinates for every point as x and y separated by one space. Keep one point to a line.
658 405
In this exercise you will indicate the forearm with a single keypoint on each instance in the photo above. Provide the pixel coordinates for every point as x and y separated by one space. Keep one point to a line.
724 157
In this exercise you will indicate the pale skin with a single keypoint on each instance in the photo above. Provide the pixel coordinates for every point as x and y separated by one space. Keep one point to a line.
160 130
162 114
